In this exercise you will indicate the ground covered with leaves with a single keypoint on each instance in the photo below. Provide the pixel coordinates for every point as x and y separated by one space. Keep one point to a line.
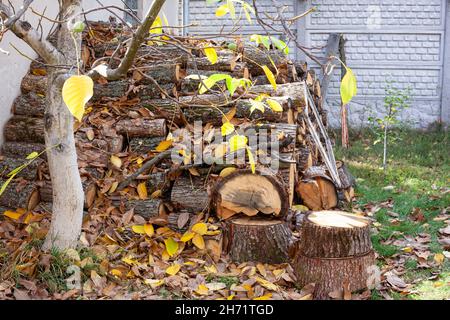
125 257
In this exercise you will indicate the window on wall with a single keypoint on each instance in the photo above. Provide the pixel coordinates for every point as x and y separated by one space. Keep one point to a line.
131 6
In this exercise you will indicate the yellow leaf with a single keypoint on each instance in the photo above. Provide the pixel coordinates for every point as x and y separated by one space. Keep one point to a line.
225 172
307 297
211 54
148 229
194 171
251 160
163 145
227 128
270 76
76 92
222 10
439 258
202 290
130 261
187 236
266 284
264 297
116 273
154 283
113 187
12 214
171 246
237 142
32 155
173 269
211 269
348 86
156 27
200 228
229 115
142 191
278 272
116 161
139 229
198 241
156 194
407 249
274 105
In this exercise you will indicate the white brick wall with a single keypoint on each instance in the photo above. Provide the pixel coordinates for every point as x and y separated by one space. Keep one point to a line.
397 40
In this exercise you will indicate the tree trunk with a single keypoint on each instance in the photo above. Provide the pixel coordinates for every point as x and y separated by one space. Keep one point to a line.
257 239
334 252
68 197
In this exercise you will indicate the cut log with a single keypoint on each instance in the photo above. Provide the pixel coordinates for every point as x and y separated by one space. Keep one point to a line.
34 83
179 221
30 104
334 252
317 194
334 234
225 62
345 175
144 145
147 209
190 193
24 129
317 190
257 239
120 88
248 193
331 275
28 173
20 149
142 127
256 57
19 194
161 73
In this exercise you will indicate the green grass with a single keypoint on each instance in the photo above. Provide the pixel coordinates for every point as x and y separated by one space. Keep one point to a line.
418 170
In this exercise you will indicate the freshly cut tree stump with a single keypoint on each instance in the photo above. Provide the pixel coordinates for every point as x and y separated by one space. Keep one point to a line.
19 195
334 234
334 252
142 128
248 193
257 239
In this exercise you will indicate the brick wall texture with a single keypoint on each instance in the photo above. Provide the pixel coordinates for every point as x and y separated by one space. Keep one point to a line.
401 41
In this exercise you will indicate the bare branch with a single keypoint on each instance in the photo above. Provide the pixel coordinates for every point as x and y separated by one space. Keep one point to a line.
24 31
138 38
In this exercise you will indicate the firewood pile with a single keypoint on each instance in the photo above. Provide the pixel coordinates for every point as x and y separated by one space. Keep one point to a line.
139 120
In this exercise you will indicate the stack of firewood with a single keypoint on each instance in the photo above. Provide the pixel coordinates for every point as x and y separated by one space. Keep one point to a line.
128 121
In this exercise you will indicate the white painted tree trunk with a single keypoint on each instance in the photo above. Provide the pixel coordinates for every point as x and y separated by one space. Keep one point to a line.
68 196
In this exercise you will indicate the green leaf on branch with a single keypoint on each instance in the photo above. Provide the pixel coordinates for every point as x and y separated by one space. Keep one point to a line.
348 86
78 27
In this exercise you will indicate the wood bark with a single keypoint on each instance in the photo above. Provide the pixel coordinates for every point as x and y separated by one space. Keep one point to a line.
334 234
20 194
257 240
68 198
24 129
331 275
190 193
144 145
19 149
251 194
179 220
334 252
142 127
30 104
28 173
147 209
34 83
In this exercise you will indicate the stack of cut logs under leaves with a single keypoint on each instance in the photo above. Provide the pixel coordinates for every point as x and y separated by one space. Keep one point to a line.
131 126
